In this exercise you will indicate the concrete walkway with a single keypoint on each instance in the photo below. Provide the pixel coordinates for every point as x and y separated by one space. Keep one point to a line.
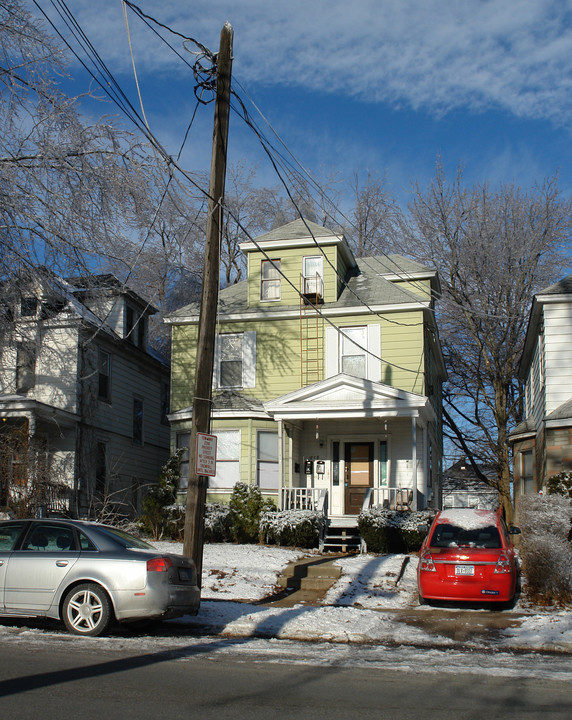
306 581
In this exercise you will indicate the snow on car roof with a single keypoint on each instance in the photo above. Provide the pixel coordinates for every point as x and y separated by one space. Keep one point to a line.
468 519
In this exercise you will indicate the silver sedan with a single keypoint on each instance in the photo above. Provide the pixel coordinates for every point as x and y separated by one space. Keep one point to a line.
90 575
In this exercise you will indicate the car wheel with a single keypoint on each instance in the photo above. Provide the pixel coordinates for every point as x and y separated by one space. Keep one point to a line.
87 610
422 600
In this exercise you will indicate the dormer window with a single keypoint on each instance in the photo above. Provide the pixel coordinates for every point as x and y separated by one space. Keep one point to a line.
270 280
135 327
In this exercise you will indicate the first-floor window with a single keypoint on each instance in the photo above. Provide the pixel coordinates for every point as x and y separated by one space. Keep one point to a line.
267 457
527 473
227 459
383 463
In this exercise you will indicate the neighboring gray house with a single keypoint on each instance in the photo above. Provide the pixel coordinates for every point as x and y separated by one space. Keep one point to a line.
542 443
83 399
463 489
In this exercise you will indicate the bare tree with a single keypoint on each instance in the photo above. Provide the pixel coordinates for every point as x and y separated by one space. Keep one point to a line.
68 188
376 217
493 248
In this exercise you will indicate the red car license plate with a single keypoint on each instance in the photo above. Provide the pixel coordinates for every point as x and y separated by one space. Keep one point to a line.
464 569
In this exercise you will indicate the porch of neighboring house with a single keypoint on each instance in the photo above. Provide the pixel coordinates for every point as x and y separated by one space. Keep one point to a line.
36 458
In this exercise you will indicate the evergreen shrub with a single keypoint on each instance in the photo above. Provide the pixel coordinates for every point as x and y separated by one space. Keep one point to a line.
295 528
387 531
246 505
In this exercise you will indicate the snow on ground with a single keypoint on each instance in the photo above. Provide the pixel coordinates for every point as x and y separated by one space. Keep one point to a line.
360 606
356 622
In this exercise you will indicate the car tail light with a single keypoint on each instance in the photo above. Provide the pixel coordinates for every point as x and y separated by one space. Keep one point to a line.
426 563
503 564
159 564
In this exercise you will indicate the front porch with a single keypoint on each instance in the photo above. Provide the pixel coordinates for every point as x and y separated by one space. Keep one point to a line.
341 533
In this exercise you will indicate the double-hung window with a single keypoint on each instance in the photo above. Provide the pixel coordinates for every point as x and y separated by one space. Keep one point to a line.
270 280
230 360
103 375
267 452
353 343
236 360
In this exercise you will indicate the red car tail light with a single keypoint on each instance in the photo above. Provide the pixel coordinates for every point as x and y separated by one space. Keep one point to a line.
426 563
159 564
503 565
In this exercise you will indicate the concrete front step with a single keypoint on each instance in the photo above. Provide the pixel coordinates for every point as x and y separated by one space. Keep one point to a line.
310 574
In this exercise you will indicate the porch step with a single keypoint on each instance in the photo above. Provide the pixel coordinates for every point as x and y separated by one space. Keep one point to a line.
343 539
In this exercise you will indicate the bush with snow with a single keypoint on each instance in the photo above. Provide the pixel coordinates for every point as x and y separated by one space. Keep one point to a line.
545 550
295 528
394 531
217 523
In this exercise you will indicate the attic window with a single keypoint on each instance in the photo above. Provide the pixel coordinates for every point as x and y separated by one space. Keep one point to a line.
270 280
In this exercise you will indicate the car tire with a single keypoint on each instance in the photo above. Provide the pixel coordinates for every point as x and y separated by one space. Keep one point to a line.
422 600
86 610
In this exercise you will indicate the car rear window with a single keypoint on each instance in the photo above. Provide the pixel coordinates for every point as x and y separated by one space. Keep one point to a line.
448 535
124 539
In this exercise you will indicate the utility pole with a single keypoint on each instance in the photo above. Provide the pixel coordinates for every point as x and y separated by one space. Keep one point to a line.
197 487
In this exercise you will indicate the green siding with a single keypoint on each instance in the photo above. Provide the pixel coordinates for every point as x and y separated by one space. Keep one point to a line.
291 260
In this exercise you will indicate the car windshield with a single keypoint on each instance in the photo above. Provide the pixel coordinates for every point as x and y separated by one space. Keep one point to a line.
125 539
448 535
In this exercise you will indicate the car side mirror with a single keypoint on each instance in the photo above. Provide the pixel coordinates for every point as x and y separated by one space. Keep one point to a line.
514 530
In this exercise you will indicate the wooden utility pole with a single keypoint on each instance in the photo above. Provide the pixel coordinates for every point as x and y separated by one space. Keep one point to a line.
197 488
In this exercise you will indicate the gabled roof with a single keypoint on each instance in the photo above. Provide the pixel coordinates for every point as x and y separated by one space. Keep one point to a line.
461 476
345 396
297 230
558 292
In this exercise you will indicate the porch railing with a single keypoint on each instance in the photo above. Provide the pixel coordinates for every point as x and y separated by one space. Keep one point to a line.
388 497
304 499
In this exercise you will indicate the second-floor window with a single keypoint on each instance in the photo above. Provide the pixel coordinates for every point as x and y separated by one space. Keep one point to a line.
230 360
236 360
104 375
138 421
353 345
270 280
25 367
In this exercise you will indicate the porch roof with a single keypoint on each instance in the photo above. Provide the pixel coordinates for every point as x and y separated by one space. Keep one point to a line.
345 396
19 406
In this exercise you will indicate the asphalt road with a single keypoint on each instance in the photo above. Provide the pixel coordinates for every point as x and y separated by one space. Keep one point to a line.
43 681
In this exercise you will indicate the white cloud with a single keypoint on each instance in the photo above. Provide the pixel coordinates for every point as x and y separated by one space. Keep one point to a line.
431 55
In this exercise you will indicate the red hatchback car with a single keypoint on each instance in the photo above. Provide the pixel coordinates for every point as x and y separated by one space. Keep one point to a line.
468 556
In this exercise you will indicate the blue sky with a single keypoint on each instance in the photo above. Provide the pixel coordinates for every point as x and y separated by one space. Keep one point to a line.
386 85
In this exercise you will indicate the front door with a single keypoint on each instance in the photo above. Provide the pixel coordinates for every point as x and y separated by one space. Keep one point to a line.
358 475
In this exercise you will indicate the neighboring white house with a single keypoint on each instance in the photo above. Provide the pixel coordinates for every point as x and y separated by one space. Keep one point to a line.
83 400
542 443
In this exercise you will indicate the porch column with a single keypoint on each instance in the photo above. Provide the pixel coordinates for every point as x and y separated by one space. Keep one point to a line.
414 461
281 468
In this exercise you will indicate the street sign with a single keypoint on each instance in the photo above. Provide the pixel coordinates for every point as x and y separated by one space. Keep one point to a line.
206 455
